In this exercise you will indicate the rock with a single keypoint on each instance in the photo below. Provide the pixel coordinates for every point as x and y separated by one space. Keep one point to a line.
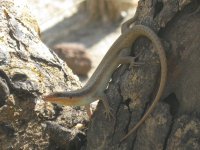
76 57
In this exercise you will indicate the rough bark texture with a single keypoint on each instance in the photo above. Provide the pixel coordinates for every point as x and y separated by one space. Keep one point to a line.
28 69
175 122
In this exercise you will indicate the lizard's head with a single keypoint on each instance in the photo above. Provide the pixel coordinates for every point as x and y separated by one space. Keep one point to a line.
63 99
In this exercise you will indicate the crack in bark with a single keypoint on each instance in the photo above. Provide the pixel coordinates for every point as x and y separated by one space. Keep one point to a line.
115 123
158 7
169 133
172 101
130 114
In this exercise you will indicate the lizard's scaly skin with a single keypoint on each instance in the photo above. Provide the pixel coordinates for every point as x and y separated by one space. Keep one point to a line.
94 89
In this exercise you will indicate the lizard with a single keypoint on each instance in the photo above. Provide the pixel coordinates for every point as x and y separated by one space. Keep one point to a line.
96 85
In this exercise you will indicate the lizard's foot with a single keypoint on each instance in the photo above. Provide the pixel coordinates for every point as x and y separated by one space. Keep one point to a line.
130 60
108 114
108 110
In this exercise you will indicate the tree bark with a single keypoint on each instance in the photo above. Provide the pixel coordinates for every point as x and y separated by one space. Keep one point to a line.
29 69
175 123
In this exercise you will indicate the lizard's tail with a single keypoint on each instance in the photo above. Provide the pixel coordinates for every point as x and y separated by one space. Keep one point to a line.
163 61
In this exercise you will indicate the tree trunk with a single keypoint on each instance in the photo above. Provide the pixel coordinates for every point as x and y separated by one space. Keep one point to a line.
28 69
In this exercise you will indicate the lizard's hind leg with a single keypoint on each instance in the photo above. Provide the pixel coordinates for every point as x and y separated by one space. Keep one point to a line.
108 110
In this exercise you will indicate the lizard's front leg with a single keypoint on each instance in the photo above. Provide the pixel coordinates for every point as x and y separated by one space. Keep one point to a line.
129 60
125 58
